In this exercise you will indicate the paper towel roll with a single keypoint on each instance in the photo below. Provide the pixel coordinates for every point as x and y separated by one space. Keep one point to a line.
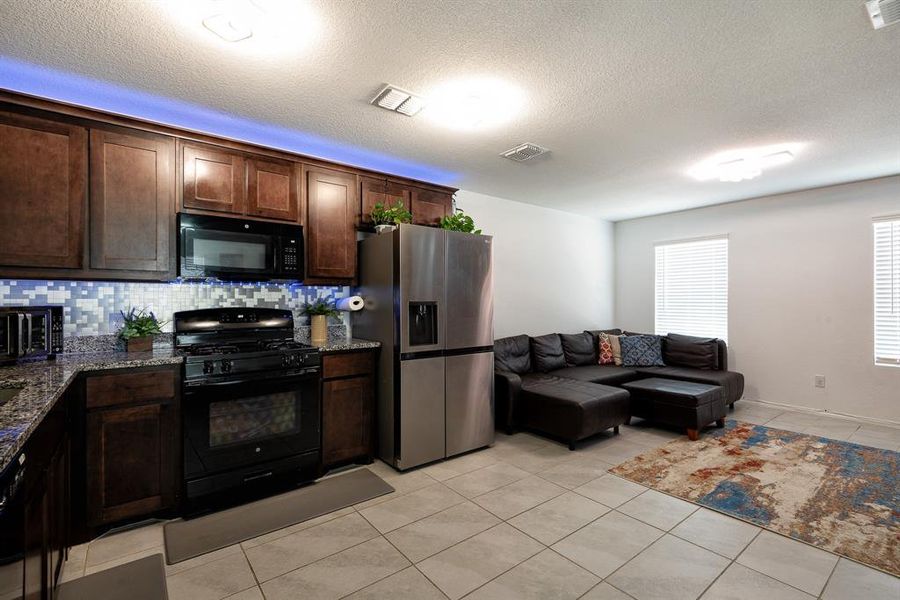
351 304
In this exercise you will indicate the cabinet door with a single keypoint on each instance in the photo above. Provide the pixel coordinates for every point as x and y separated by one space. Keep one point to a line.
43 175
347 419
330 226
428 206
35 567
132 201
272 190
373 191
131 461
213 179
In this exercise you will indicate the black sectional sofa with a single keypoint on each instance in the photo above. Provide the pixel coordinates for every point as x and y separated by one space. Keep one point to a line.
554 385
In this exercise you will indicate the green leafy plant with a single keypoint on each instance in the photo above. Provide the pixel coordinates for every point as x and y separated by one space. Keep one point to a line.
390 215
321 307
139 323
459 221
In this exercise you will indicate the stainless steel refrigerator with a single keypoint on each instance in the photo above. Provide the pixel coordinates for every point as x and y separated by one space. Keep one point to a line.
430 302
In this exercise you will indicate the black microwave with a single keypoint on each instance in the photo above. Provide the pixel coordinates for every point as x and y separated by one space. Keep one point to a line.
233 249
28 332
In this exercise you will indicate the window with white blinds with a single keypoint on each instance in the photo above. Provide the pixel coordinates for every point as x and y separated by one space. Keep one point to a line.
692 287
887 291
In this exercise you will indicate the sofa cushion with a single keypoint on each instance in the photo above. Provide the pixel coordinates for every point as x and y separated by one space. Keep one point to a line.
578 348
641 351
513 354
547 353
605 374
732 383
689 351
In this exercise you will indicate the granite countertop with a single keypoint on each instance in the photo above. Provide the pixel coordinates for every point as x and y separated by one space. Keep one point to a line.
345 345
42 383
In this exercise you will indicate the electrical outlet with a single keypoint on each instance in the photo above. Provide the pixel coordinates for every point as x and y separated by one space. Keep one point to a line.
820 381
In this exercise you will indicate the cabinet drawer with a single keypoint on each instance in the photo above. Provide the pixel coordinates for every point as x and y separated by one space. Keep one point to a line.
126 388
347 365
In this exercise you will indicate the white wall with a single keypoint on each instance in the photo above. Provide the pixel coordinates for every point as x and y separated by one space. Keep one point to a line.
800 292
553 271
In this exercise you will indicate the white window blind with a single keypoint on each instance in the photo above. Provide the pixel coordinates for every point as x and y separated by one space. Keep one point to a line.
887 291
692 288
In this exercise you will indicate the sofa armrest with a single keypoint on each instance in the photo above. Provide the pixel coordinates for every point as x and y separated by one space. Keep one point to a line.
723 355
507 386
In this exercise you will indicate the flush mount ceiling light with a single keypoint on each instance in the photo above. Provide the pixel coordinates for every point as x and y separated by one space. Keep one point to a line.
252 26
474 104
399 100
234 20
747 163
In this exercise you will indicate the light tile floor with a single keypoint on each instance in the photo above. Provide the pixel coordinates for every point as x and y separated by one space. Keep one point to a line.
524 519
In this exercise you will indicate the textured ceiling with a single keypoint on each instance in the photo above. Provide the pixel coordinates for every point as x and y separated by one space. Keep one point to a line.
627 95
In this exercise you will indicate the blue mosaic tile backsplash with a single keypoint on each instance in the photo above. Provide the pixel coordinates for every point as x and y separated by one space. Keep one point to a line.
92 307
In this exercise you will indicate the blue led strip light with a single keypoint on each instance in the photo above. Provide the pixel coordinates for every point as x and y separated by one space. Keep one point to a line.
83 91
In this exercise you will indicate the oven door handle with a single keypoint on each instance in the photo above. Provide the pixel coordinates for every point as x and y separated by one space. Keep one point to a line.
297 377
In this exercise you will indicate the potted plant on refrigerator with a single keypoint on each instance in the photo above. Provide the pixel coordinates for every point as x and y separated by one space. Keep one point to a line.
318 313
138 328
459 221
386 218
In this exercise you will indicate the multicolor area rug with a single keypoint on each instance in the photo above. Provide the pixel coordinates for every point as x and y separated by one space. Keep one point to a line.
838 496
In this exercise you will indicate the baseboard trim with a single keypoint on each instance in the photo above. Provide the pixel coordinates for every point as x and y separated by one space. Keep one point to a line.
828 413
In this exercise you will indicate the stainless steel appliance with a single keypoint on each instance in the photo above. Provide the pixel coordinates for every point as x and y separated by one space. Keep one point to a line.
250 403
429 301
233 249
28 332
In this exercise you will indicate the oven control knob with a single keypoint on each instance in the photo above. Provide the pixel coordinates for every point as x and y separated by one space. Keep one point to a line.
286 360
208 367
226 365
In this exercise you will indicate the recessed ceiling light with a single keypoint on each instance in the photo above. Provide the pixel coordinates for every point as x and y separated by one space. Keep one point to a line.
740 165
399 100
474 104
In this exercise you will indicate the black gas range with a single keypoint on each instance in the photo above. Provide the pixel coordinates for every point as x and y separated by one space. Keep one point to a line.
250 402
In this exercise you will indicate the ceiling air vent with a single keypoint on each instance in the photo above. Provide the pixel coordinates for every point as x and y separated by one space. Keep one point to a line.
883 12
523 152
399 100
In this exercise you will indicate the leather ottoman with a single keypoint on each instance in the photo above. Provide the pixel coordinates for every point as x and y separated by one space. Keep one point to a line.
677 403
571 410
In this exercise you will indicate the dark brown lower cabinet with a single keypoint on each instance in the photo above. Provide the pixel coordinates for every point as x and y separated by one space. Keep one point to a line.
348 408
46 515
132 445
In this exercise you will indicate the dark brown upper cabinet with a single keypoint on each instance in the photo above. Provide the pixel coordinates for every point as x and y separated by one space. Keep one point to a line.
43 180
272 189
132 205
213 179
428 206
374 190
332 207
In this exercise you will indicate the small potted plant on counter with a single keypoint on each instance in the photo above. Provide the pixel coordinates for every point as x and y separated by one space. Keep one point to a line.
459 221
386 218
318 313
138 328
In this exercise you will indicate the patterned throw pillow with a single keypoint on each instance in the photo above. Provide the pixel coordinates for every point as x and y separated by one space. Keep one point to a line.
605 350
642 351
